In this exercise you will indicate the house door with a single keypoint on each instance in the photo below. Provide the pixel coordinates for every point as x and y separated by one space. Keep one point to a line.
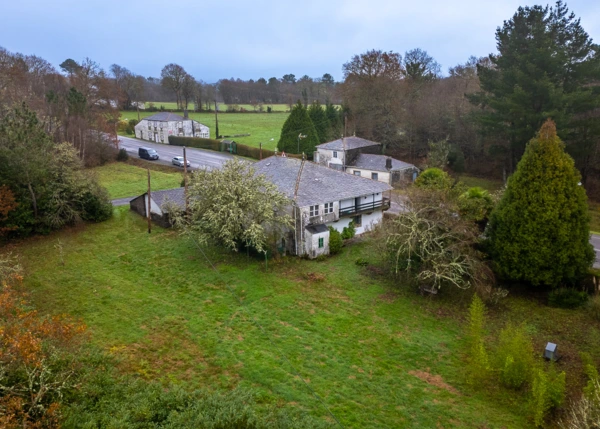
156 138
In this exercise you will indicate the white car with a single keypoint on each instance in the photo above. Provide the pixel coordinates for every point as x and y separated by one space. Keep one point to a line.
178 160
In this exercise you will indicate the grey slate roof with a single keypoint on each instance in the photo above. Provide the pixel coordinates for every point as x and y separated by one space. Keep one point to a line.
352 142
165 117
317 229
318 184
172 196
377 163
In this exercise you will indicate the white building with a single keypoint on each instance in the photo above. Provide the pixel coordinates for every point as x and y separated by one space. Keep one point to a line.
363 158
324 197
157 128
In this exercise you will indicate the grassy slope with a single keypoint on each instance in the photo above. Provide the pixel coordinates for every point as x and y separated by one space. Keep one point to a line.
263 127
125 180
152 300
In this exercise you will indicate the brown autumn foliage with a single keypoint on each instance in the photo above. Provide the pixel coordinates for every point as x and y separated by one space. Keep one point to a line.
7 204
37 357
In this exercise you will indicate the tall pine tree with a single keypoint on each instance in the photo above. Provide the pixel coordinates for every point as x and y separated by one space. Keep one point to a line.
539 232
298 132
546 66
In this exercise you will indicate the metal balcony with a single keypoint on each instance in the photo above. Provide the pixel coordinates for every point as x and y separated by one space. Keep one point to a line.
383 204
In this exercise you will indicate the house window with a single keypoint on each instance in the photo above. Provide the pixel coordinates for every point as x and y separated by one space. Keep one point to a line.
357 221
314 210
328 208
321 243
374 176
357 172
334 154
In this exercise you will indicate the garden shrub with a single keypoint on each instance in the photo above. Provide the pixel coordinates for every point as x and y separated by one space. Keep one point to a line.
478 357
349 231
567 298
476 204
122 155
514 356
456 159
335 241
591 373
547 392
434 178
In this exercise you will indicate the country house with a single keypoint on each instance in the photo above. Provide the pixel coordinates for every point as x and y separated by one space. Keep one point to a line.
157 128
323 197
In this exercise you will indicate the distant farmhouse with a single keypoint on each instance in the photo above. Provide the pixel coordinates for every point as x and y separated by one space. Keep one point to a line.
323 197
363 158
157 128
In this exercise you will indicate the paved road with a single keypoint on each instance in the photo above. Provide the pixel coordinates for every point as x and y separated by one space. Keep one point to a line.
198 158
121 201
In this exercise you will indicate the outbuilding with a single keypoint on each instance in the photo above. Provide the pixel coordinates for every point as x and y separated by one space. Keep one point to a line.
162 203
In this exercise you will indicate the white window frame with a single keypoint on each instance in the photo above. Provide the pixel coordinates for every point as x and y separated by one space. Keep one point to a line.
357 173
328 208
314 210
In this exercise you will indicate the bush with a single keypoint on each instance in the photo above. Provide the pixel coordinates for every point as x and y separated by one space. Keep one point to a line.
514 357
478 356
584 413
122 155
476 204
456 159
349 231
594 307
567 298
210 144
434 178
547 392
335 241
130 128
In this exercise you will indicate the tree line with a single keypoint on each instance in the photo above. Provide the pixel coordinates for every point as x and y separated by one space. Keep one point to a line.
546 66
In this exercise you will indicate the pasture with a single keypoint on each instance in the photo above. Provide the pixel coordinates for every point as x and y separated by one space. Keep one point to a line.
378 354
263 128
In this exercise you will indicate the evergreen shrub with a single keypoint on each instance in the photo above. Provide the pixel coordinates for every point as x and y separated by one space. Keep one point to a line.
567 298
335 241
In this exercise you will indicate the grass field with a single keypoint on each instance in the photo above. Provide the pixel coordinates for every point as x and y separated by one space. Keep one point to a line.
379 355
263 128
171 105
125 180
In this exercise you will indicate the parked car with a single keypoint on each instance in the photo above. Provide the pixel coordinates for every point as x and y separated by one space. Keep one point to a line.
178 160
147 153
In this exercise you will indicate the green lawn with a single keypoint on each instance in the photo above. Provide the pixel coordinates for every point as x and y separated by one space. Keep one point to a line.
125 180
377 355
171 105
263 128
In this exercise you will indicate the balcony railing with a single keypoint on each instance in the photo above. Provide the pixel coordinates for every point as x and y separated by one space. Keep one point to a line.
365 207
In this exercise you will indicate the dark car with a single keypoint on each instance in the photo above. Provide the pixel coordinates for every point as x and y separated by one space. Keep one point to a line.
147 153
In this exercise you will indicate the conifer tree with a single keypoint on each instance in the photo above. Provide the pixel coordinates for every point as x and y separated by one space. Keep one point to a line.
320 121
298 124
539 232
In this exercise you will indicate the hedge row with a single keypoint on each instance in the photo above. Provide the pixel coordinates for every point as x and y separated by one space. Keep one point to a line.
212 144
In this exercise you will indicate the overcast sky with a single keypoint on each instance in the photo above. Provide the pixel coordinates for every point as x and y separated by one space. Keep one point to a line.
252 39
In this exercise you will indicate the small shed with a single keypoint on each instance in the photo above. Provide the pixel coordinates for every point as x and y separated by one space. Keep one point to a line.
316 240
229 146
161 202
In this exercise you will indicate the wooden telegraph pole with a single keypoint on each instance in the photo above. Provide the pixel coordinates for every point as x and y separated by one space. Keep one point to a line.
149 205
216 119
185 181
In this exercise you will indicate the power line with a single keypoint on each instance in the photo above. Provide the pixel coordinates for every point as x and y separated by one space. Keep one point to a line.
255 322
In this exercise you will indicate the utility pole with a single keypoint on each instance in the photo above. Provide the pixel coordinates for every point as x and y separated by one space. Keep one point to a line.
185 182
149 205
216 119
